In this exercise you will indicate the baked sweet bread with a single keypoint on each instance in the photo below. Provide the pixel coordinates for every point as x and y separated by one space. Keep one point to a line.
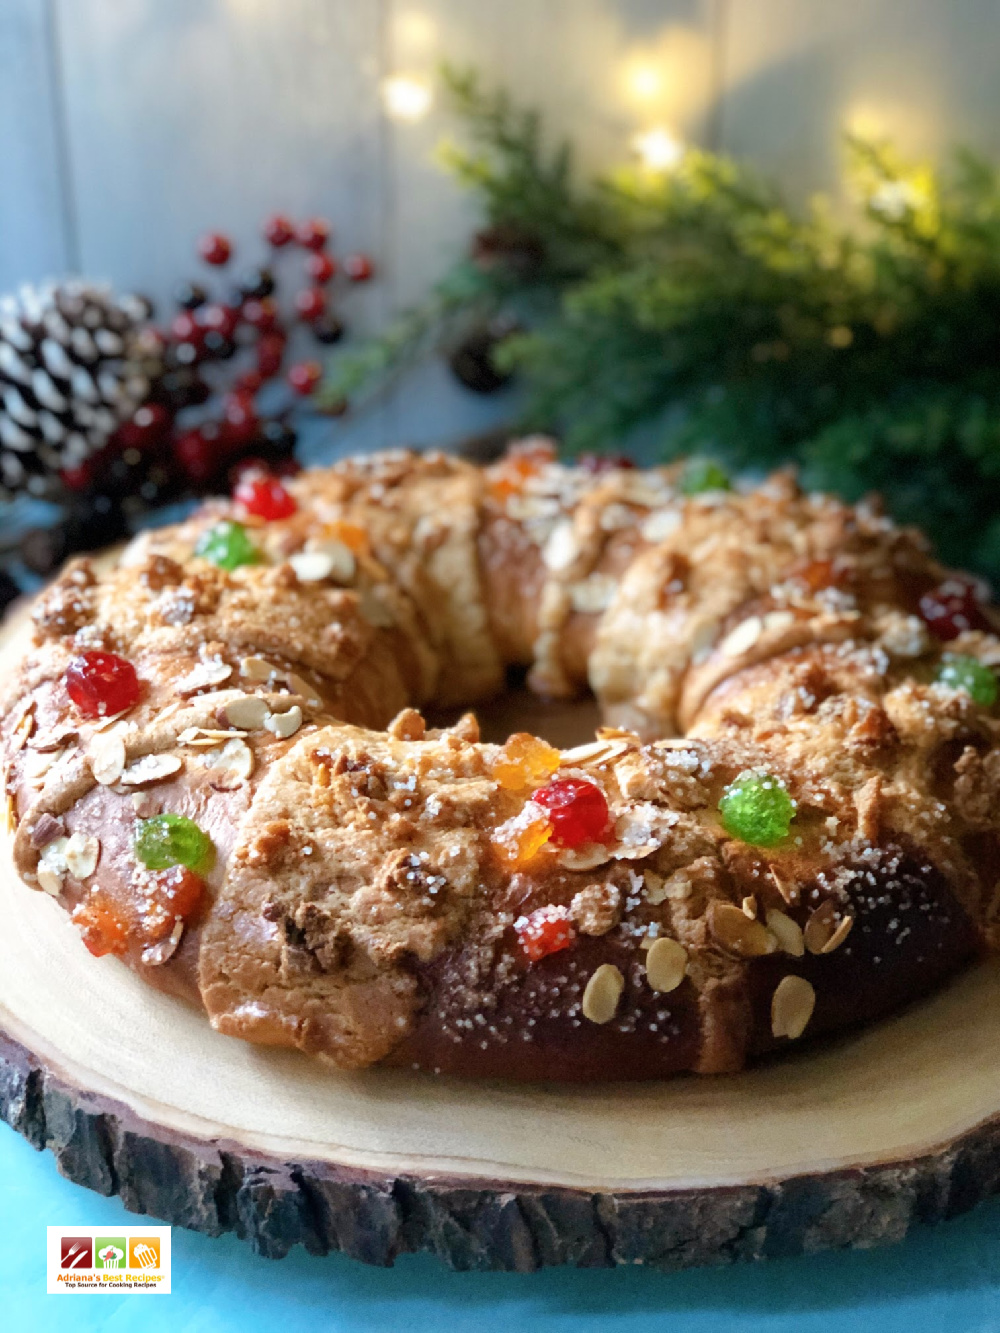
788 825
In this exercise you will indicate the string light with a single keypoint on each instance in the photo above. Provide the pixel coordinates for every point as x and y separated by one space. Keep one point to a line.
644 81
658 149
405 97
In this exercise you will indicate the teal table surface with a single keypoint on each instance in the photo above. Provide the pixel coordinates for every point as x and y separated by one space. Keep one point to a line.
941 1279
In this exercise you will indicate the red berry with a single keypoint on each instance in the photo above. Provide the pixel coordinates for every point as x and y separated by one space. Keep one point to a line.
239 419
197 455
101 684
270 354
359 268
953 607
314 233
222 318
147 427
304 377
215 248
261 314
544 931
278 230
184 327
249 383
321 267
578 811
264 497
310 303
597 464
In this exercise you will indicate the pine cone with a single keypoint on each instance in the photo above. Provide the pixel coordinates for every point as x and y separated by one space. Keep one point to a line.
75 362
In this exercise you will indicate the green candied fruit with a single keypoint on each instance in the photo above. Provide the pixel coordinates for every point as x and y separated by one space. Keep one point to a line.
757 808
702 474
227 545
970 675
173 840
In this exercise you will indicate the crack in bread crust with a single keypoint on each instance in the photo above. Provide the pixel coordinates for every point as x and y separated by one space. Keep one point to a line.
365 904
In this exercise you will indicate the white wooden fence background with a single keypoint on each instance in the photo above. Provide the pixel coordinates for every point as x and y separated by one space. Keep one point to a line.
129 126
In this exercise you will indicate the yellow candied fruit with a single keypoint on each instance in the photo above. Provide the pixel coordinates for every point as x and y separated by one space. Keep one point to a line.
524 761
520 839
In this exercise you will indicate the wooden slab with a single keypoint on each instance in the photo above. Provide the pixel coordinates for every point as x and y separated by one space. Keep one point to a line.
847 1144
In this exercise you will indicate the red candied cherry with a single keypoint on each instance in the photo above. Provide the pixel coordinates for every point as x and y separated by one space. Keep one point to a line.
359 268
261 314
270 354
220 318
239 419
313 233
953 607
577 810
101 684
544 931
263 496
278 230
320 267
215 248
305 376
310 303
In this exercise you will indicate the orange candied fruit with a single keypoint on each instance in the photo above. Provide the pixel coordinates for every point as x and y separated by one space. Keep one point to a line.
352 535
815 575
524 761
520 839
102 929
546 930
168 896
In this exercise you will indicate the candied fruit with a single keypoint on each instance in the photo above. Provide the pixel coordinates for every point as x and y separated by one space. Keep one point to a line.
952 608
757 809
352 535
546 930
172 840
520 839
101 684
970 675
102 929
700 475
524 761
166 897
577 810
227 545
264 497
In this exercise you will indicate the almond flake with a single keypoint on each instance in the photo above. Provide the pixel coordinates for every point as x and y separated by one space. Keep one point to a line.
298 685
151 768
248 712
602 994
329 560
666 964
741 639
106 757
820 927
737 933
792 1007
234 762
592 751
787 932
561 549
839 935
81 854
50 880
258 670
56 739
155 954
776 622
585 857
593 595
284 724
10 814
660 524
25 726
203 676
750 906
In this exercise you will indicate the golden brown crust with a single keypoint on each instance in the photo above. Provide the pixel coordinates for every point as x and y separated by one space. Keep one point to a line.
371 887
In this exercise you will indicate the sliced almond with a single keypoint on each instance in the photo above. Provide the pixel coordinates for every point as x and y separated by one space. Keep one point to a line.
776 622
332 560
585 857
666 964
36 763
792 1007
258 670
155 954
48 879
10 814
660 524
562 548
592 752
737 933
819 929
787 932
24 727
151 768
602 993
82 854
284 724
750 906
298 685
839 935
593 595
231 763
741 639
106 757
56 739
205 736
204 676
248 712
